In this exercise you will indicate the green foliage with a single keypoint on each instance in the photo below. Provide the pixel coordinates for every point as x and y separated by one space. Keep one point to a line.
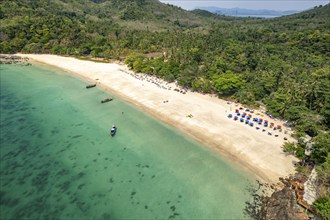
321 148
227 83
131 59
202 85
300 151
310 123
305 120
289 147
322 205
295 113
322 145
324 172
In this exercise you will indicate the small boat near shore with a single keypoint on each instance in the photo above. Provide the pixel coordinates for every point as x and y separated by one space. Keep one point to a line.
106 100
90 86
113 130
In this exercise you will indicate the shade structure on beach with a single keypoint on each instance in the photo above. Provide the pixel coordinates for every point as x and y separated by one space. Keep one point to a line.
235 118
251 124
260 119
230 115
247 121
255 119
248 117
242 120
265 124
236 110
259 122
272 123
238 113
279 126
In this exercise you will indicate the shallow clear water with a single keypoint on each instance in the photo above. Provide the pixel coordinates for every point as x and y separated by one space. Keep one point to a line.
58 160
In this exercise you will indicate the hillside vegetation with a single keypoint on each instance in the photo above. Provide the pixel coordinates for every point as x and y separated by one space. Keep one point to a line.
282 63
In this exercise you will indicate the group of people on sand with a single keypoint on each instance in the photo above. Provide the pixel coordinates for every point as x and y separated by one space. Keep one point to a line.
160 83
152 79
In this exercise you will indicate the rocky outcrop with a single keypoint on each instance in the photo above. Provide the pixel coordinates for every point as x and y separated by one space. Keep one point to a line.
282 205
13 59
310 188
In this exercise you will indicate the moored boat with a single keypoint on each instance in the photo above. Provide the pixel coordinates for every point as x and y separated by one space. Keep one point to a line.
113 130
106 100
90 86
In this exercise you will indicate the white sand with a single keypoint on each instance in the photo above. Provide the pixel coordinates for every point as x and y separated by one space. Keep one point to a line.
254 150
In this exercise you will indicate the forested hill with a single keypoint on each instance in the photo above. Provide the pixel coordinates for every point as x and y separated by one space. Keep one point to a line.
137 14
282 63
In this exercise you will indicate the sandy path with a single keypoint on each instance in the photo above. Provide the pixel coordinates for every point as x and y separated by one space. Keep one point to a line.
254 150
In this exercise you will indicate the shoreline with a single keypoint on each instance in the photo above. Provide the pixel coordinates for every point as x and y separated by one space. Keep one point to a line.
253 150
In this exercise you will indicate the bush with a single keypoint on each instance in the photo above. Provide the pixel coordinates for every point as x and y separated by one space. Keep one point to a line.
323 207
289 147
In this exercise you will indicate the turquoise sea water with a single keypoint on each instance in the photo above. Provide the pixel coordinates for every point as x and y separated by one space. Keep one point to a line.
59 162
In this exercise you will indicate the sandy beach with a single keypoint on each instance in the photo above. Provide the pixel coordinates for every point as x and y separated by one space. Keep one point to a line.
254 150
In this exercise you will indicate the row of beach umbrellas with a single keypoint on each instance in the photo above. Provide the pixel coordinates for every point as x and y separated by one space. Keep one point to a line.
249 120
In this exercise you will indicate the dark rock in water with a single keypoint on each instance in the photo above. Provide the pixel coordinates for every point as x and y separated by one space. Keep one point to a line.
81 186
106 216
76 136
9 202
40 180
64 186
